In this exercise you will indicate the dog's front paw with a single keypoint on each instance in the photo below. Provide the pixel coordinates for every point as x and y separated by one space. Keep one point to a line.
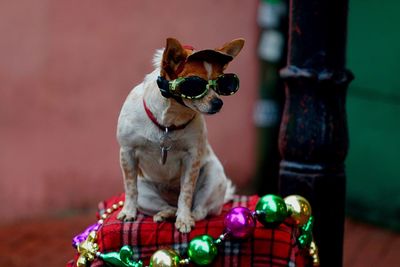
127 214
184 224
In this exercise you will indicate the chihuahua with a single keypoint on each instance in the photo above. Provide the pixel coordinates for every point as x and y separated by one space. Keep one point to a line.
168 166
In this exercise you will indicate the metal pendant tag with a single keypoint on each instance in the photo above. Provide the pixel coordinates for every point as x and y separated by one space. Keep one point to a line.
165 146
164 154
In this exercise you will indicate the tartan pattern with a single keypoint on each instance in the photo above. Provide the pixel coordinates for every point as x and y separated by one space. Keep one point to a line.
268 247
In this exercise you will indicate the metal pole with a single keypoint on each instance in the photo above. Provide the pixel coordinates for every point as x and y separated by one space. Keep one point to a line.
313 139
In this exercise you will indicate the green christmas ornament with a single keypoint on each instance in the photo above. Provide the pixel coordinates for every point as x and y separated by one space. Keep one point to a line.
202 250
305 237
123 258
307 228
271 210
305 240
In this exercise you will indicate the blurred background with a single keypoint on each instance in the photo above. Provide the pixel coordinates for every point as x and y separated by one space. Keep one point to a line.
66 68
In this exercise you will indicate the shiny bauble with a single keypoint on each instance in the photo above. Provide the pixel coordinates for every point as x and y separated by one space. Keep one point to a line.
299 209
165 258
202 250
240 222
271 210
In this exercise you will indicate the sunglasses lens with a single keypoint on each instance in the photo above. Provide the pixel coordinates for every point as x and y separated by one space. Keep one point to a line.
227 84
193 87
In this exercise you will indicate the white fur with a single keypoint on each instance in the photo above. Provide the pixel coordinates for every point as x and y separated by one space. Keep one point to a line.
165 191
208 68
157 58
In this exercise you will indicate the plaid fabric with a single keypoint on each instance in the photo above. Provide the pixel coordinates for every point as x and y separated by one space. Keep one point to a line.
267 247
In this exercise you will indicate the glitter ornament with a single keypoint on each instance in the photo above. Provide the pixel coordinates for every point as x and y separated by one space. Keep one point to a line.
299 209
87 250
305 238
240 222
83 236
271 210
202 250
165 258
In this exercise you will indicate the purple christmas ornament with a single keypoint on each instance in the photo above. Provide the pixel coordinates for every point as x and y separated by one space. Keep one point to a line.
240 222
83 236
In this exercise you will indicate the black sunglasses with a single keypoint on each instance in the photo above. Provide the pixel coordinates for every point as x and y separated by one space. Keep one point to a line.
194 87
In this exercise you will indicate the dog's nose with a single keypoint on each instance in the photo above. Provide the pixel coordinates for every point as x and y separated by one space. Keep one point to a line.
216 105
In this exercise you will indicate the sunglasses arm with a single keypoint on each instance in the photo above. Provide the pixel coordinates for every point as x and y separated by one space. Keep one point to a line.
163 84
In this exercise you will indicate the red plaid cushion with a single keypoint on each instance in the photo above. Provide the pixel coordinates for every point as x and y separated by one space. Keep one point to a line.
267 247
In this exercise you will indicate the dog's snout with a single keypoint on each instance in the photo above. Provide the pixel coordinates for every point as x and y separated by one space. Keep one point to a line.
216 105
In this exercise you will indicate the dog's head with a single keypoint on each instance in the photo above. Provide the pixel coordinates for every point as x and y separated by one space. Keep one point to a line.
185 73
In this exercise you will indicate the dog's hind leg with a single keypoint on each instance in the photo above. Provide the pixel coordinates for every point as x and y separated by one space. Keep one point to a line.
165 214
210 190
129 168
150 203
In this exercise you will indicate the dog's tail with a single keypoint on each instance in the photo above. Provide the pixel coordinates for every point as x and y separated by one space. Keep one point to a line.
230 191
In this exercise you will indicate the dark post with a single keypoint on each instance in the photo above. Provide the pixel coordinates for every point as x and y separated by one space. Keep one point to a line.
313 139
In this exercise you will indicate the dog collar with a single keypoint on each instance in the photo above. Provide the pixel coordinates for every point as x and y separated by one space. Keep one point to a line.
160 126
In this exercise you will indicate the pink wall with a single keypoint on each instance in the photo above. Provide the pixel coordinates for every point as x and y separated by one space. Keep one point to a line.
65 70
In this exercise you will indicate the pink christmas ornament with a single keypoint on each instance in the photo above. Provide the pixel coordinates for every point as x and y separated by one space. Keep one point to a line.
240 222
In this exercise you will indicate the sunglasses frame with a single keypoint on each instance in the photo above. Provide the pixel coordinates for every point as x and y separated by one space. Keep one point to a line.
211 84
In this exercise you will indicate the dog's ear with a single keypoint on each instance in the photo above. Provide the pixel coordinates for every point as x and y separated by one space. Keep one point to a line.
233 47
173 59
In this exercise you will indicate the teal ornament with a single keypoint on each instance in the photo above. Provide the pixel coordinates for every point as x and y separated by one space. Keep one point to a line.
306 237
308 226
271 210
123 258
305 240
202 250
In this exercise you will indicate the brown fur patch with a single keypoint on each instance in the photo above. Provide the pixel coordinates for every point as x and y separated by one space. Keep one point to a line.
173 58
196 68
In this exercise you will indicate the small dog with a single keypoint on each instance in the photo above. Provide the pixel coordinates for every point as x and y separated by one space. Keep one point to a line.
169 168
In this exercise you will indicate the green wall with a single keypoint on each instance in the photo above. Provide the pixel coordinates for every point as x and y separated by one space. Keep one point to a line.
373 106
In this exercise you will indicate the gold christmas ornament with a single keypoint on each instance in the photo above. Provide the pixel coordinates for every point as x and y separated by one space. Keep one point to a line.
165 258
87 250
299 209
